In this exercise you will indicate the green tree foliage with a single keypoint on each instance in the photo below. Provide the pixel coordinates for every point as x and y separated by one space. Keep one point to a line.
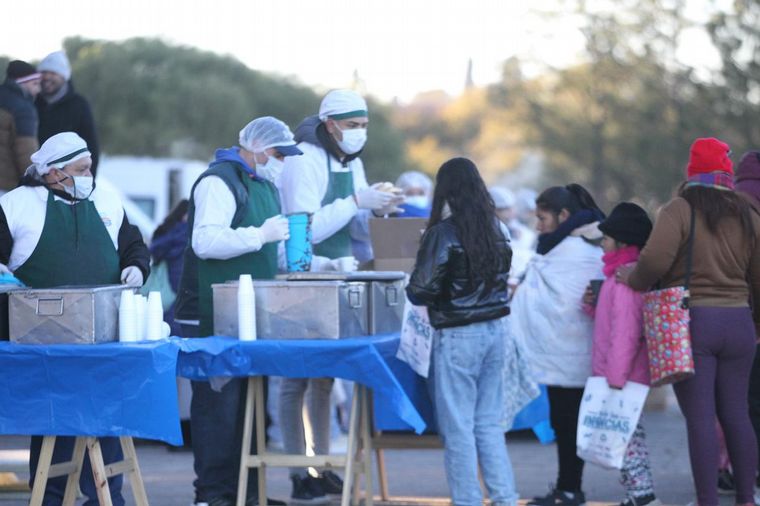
154 99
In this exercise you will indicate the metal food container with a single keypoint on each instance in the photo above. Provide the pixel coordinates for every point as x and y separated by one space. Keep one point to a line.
66 314
4 290
386 295
296 310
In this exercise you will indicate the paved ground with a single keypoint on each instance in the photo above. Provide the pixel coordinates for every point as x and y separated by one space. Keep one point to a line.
168 475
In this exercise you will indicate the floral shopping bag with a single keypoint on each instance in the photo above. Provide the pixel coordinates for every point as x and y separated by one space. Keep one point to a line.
666 329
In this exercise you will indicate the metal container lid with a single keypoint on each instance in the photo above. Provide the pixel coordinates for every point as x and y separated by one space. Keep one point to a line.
78 289
343 276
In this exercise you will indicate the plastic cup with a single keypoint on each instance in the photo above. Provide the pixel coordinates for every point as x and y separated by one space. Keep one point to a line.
298 249
346 264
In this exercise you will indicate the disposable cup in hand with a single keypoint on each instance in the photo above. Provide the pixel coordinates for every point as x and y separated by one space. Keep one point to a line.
346 264
298 249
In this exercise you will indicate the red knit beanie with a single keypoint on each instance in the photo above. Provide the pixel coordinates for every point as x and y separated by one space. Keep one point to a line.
709 155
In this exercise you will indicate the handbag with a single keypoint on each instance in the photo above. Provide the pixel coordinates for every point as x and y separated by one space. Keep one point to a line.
666 327
607 419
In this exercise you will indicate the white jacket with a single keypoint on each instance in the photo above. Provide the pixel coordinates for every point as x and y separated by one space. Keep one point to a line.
547 315
303 185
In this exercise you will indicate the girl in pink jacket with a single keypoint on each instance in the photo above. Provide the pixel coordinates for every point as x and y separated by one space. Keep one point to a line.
619 350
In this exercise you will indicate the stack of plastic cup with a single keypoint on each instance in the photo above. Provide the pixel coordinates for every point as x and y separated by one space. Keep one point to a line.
127 323
140 310
246 301
298 249
154 318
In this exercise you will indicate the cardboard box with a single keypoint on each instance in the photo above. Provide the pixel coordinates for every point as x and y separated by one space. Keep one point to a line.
395 242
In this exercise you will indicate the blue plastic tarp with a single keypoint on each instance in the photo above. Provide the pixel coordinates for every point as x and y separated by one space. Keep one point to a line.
112 389
356 359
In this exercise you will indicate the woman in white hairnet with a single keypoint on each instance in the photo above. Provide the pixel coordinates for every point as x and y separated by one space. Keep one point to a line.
418 190
58 229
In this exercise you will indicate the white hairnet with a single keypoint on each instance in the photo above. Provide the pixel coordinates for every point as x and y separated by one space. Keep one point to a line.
502 197
415 179
526 200
57 152
265 132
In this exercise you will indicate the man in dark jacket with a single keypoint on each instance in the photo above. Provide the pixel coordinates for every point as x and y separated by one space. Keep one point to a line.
61 108
18 122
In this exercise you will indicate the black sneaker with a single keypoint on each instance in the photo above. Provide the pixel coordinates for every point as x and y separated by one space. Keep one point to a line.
559 498
644 500
254 501
726 483
331 483
307 490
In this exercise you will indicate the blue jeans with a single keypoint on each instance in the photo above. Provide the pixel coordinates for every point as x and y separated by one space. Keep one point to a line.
63 450
466 385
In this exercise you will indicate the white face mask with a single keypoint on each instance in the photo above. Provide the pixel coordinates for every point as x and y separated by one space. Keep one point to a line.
419 201
353 140
81 189
271 170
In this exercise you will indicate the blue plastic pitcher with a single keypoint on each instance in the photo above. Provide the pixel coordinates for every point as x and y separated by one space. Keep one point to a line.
298 249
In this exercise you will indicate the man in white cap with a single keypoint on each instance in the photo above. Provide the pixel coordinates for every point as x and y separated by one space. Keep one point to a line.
523 238
61 108
18 122
58 229
327 182
235 227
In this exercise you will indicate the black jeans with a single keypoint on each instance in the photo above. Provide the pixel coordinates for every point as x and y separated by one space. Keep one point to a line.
217 436
564 404
64 448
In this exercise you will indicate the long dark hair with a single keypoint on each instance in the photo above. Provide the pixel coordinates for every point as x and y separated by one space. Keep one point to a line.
473 213
174 217
572 197
714 205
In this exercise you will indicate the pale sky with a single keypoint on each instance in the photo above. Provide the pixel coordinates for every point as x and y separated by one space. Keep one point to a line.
398 47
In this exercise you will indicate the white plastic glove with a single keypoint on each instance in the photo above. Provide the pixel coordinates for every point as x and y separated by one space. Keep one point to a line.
372 198
132 276
4 269
275 229
392 207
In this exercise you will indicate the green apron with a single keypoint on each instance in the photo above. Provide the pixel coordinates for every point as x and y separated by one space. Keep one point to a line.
74 249
263 203
339 186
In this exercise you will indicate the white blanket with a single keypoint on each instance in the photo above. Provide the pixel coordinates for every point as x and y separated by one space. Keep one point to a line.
547 316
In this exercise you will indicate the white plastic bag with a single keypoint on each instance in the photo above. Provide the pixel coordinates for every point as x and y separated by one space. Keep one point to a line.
416 338
607 419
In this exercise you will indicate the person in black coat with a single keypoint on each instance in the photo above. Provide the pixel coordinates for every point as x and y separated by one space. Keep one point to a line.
61 109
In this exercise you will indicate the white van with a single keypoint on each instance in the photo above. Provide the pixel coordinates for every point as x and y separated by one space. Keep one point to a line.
150 187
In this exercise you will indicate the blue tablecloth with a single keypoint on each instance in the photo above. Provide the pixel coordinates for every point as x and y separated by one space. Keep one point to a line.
362 359
113 389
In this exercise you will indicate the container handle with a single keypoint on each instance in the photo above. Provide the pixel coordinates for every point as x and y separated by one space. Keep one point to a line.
49 307
391 296
354 298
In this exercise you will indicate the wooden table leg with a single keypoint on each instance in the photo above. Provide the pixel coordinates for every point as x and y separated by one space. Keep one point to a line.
99 471
261 437
43 469
366 437
135 477
245 450
353 422
72 484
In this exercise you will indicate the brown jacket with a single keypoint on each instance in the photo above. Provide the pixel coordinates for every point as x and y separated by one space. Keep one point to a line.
726 265
15 152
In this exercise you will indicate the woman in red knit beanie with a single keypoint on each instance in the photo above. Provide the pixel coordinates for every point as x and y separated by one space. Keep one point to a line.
725 273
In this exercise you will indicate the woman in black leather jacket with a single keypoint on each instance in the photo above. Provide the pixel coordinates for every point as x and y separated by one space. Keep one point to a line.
461 277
